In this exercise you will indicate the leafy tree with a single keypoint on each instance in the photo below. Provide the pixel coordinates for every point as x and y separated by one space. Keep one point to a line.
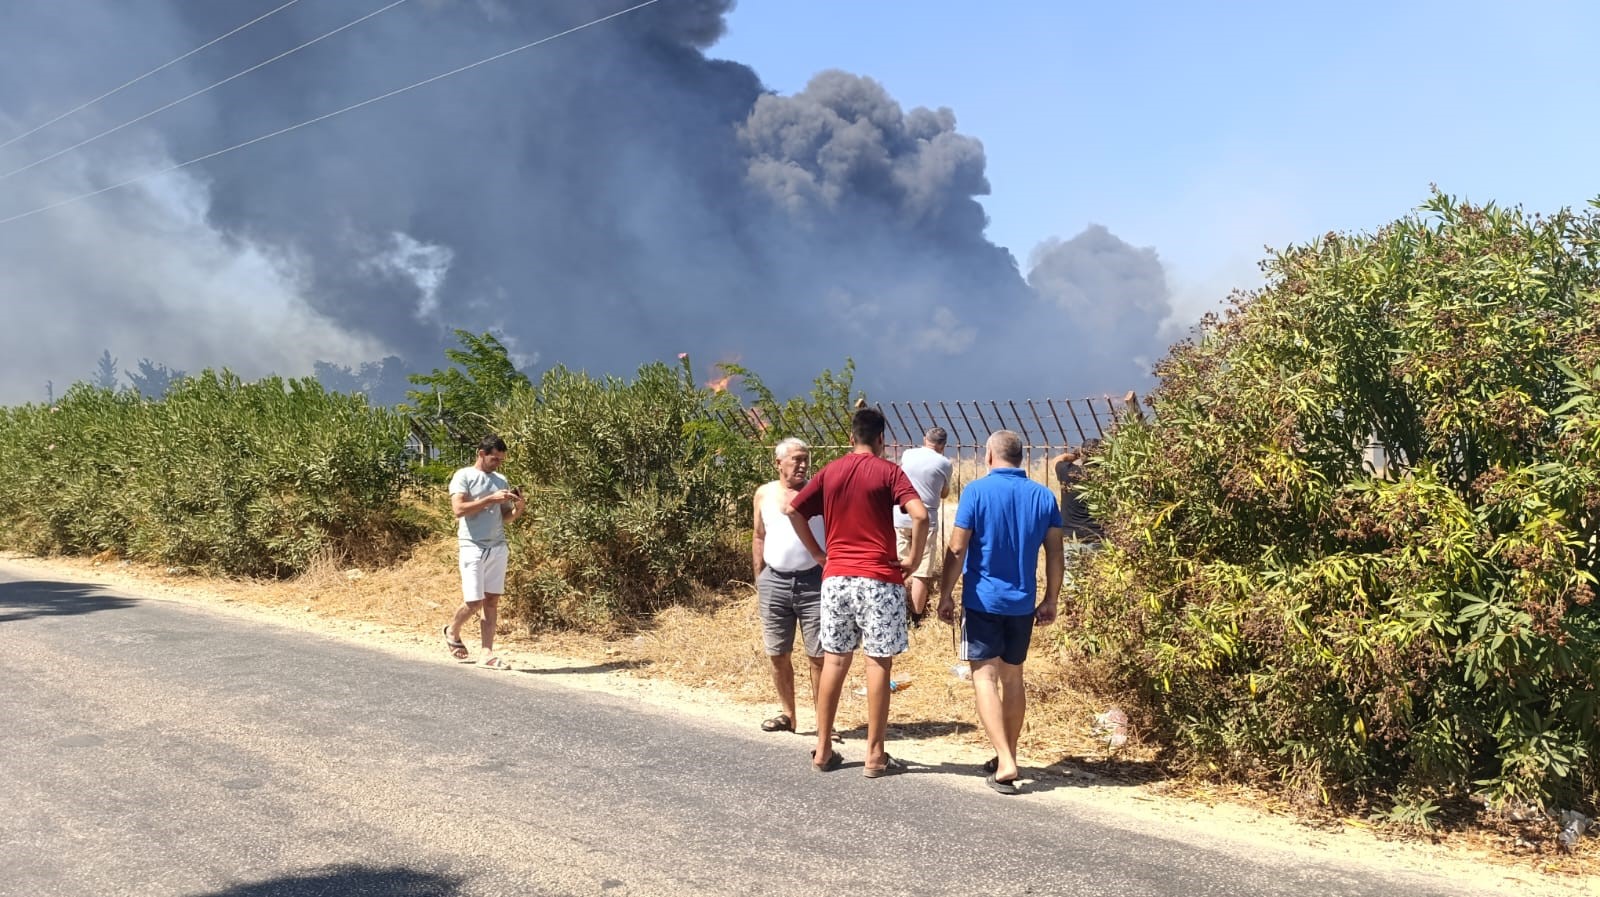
153 380
105 375
1408 632
462 399
382 382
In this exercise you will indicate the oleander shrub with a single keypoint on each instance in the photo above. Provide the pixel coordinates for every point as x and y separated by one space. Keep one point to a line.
1402 635
638 489
635 496
219 474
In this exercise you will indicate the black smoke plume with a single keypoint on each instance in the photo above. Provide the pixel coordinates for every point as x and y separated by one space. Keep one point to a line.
615 196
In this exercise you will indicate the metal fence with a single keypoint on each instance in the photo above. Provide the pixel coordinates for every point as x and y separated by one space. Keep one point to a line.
1047 427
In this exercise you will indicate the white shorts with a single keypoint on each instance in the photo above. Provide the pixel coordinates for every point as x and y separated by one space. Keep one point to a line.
483 571
858 612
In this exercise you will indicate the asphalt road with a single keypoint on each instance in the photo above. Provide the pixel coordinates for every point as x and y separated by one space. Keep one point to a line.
155 748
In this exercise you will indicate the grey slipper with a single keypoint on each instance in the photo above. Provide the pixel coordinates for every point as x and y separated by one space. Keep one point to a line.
835 760
1009 787
891 766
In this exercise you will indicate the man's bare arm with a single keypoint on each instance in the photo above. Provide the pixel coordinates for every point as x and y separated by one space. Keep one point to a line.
1054 566
954 556
758 538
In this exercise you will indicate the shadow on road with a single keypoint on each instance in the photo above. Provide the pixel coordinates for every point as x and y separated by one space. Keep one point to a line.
26 600
928 728
357 881
1089 770
613 666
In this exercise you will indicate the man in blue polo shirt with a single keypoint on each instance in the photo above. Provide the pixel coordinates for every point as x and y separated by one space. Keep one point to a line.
1002 521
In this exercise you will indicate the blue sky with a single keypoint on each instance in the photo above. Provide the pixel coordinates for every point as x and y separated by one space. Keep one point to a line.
1210 130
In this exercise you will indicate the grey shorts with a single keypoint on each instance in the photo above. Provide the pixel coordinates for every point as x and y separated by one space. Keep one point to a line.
859 612
784 600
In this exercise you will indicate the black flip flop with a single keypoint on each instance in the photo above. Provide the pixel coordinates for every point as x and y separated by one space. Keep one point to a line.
891 766
991 765
835 760
1003 787
779 723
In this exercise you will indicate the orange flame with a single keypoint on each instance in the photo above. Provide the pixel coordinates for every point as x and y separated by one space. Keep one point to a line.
757 419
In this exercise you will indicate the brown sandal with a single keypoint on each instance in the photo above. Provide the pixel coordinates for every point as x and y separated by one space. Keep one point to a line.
458 648
779 723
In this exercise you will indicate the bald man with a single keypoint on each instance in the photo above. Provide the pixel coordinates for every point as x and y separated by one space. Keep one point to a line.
1002 522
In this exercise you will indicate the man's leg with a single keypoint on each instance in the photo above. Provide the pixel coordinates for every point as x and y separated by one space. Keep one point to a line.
834 669
808 620
815 664
494 585
471 565
879 670
776 609
463 613
783 678
838 636
491 617
919 596
1014 703
883 635
987 682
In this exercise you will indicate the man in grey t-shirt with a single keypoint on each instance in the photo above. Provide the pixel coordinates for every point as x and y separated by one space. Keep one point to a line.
482 502
929 472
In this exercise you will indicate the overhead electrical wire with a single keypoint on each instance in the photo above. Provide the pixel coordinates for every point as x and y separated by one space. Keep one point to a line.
165 65
324 117
133 121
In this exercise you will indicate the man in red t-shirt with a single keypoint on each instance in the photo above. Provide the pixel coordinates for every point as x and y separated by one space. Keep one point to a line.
863 579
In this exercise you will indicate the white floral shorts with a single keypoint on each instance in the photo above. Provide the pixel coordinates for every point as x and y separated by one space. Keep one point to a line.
858 612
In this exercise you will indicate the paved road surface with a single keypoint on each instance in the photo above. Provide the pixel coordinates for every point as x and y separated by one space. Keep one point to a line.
154 748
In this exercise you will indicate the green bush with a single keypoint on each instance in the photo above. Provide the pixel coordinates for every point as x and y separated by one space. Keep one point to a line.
242 478
635 496
1404 636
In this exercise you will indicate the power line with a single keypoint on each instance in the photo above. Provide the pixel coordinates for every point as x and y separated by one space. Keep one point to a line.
324 117
134 121
119 88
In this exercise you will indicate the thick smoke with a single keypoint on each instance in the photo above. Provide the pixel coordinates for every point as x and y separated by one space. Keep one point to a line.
613 197
1113 342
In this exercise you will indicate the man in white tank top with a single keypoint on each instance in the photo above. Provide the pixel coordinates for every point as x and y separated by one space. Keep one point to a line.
788 580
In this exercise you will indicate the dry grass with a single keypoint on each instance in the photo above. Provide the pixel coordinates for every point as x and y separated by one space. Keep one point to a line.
718 645
714 642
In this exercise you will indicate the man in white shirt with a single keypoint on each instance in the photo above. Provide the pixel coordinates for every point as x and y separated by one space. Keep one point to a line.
788 580
482 502
929 472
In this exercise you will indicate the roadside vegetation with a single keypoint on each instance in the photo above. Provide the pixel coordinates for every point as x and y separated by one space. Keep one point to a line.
247 479
1418 638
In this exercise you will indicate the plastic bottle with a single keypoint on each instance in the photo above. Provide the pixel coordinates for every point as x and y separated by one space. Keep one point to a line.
894 686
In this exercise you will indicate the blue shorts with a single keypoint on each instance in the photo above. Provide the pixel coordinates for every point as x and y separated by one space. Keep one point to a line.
985 636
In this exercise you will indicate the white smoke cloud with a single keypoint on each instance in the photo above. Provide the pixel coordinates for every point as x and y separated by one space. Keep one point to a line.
143 274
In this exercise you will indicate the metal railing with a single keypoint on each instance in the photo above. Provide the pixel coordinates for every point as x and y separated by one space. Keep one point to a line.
1047 427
